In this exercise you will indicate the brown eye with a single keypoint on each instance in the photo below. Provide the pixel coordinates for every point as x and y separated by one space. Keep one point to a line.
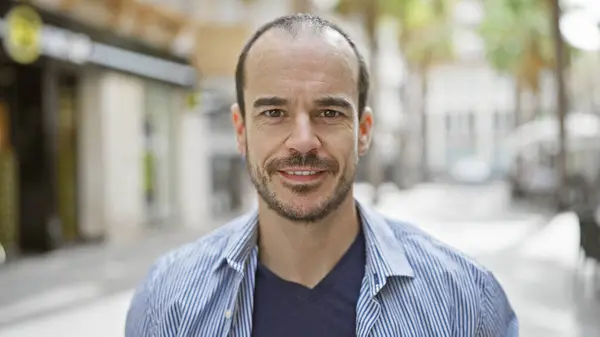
331 113
274 113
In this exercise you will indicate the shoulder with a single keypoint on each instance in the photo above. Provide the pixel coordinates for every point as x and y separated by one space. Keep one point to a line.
195 259
439 266
428 254
449 279
186 274
178 283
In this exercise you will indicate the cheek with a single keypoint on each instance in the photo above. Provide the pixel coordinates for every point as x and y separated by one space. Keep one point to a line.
260 147
343 145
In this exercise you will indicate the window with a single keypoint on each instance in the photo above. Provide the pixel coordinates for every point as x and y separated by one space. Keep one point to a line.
158 162
472 127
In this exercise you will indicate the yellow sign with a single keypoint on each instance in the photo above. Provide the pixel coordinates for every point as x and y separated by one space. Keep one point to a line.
192 100
22 40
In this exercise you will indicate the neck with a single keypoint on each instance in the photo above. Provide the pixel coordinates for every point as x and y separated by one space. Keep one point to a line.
306 252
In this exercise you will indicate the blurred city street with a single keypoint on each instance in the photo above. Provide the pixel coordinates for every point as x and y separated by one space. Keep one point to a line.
532 253
117 143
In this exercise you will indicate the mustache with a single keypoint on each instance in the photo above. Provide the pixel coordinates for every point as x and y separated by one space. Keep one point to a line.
307 160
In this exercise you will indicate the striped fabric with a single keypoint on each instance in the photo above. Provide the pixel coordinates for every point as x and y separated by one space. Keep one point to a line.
414 285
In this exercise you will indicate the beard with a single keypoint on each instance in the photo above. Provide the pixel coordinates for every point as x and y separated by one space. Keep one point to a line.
262 177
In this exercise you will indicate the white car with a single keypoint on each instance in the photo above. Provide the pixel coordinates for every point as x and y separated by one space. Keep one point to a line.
471 170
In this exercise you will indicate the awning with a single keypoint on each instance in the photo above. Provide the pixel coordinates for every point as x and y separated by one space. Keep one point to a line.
154 25
68 40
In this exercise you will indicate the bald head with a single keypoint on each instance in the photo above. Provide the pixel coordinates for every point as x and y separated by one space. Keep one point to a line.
303 26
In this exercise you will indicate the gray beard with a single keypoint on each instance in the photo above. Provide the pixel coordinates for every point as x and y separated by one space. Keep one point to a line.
260 182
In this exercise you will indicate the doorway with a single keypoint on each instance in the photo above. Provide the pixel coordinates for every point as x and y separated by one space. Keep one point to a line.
40 110
8 186
31 140
66 156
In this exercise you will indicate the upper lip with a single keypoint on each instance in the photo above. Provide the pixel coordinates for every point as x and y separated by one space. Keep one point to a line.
301 169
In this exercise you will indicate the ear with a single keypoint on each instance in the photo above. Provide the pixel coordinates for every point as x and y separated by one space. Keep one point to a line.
239 127
365 128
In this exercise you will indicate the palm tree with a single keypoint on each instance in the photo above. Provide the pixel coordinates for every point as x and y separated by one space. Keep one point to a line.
523 39
518 41
561 98
426 32
425 40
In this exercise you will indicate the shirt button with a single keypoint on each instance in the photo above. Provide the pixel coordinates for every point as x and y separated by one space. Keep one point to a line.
228 314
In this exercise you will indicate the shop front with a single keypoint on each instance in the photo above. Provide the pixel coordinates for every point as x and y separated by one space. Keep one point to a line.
52 71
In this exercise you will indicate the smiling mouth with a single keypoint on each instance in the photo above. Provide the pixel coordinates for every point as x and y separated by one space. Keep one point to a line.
302 175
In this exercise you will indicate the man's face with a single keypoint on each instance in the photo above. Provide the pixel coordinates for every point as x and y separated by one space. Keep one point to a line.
300 134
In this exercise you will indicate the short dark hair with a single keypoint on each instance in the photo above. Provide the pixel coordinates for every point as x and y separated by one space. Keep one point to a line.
295 24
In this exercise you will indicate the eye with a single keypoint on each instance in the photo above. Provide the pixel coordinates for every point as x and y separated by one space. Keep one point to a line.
330 113
273 113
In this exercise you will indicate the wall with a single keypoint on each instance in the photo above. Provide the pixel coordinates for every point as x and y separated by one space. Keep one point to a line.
194 171
458 89
122 103
111 155
91 162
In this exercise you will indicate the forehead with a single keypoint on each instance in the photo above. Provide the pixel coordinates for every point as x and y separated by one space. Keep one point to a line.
309 61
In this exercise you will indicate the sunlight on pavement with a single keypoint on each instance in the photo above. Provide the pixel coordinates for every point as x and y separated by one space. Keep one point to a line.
558 242
102 318
477 239
562 320
471 237
51 299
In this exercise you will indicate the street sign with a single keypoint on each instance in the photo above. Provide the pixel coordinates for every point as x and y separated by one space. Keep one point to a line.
23 28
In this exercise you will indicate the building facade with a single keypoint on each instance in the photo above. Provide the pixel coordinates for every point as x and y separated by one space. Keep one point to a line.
93 126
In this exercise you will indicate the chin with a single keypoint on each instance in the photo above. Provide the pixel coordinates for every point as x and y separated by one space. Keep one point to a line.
304 202
310 207
302 212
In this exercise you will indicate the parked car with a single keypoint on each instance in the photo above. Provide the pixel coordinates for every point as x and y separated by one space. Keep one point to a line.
471 170
537 178
534 159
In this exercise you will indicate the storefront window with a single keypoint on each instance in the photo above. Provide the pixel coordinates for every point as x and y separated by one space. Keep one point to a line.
159 157
227 173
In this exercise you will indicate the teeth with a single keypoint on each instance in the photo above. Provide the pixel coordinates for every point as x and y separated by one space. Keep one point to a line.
301 173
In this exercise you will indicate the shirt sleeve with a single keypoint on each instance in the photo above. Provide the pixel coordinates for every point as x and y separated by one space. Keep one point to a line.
140 316
498 318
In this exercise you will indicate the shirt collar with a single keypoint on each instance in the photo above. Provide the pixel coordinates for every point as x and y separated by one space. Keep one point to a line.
386 256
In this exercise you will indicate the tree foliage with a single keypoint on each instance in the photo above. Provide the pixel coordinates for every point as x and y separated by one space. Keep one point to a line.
425 27
518 39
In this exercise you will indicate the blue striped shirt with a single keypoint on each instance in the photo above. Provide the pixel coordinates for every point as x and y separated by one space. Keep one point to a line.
414 285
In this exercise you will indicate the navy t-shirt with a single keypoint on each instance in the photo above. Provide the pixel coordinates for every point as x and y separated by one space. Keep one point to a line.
288 309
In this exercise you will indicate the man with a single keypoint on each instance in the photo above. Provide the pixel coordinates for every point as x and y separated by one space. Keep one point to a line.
311 261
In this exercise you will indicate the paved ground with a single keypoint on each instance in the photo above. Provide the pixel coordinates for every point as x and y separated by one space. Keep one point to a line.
35 287
534 259
534 255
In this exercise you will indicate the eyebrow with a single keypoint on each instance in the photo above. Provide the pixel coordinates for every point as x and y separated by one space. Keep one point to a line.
332 101
270 101
327 101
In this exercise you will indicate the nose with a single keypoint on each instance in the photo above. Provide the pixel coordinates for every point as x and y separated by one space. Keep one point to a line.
303 138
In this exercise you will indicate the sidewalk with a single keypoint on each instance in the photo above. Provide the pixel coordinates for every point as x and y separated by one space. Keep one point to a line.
551 299
532 252
35 286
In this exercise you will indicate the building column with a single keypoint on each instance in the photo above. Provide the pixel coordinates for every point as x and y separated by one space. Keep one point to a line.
90 161
194 170
122 104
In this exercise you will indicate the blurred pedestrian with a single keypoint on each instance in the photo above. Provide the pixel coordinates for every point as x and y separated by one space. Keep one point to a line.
311 260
